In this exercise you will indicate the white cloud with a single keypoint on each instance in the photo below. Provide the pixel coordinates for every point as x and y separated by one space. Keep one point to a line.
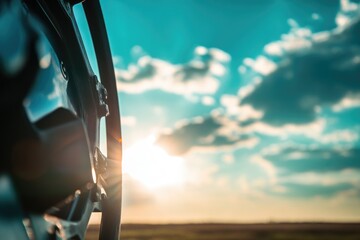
350 176
350 101
237 144
313 129
302 38
274 49
348 5
267 166
230 102
314 71
200 50
286 98
346 135
217 133
244 112
342 20
346 13
298 38
207 100
321 36
220 55
295 155
244 91
247 112
261 65
272 149
228 126
201 75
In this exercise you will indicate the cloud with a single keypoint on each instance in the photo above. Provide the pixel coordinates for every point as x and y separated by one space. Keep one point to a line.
201 75
323 73
213 133
346 176
298 160
310 191
300 185
249 189
299 38
349 101
243 112
312 129
344 135
207 100
261 65
297 77
267 166
347 12
310 170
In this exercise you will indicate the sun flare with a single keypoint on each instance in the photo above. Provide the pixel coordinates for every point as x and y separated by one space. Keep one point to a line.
152 166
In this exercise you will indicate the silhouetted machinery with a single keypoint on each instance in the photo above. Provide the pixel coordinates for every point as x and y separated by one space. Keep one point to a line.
53 175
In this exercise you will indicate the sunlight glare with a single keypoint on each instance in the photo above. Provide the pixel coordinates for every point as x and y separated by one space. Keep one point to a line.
152 166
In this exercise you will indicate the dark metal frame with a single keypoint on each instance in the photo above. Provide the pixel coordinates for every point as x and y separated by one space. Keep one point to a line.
92 100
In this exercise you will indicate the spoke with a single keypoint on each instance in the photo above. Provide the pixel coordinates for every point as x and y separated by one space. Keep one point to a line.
111 179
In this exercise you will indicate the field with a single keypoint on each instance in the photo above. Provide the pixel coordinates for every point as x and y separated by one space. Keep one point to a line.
269 231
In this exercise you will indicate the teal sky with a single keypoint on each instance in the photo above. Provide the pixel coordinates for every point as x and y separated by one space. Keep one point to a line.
255 103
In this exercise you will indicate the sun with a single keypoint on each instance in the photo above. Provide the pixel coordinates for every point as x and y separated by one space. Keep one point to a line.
152 166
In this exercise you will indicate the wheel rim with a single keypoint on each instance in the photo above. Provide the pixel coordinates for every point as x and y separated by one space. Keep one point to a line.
112 178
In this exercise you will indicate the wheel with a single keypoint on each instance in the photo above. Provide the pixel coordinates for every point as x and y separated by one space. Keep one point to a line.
55 174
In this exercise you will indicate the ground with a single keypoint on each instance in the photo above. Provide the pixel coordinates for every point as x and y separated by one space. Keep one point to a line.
269 231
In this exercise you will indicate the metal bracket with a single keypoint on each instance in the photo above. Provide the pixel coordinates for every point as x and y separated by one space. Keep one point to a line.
100 162
101 97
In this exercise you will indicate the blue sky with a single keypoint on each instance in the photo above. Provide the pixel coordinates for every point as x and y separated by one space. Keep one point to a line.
237 110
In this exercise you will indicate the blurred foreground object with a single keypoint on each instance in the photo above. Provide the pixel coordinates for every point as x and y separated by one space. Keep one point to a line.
52 173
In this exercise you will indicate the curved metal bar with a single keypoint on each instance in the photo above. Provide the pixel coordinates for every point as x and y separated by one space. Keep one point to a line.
111 206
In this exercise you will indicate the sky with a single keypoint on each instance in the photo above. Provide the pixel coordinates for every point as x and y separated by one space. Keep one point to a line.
237 111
